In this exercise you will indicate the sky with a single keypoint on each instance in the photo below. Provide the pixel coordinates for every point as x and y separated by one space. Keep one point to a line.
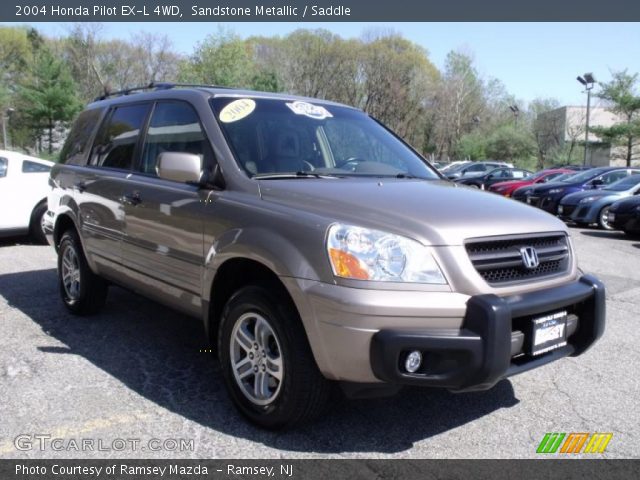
531 59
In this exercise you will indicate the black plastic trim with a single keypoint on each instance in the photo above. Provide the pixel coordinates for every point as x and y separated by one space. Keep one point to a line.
480 354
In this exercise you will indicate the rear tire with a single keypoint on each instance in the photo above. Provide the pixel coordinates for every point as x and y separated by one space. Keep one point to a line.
82 291
35 224
266 360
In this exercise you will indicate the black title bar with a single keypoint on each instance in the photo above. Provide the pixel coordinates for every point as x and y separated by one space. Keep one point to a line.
317 10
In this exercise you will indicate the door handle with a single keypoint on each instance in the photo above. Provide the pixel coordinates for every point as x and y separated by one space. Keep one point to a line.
132 198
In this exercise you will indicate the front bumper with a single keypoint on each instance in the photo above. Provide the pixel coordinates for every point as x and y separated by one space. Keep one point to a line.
547 203
580 213
489 346
627 221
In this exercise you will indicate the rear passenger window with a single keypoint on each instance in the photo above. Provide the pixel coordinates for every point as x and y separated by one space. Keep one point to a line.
117 139
174 127
34 167
77 143
4 164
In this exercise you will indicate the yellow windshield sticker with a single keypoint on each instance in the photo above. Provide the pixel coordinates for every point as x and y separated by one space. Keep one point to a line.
237 110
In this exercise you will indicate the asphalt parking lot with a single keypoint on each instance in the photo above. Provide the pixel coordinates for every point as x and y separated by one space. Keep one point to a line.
136 373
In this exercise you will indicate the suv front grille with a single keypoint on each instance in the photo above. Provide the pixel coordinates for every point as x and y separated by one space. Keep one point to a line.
499 260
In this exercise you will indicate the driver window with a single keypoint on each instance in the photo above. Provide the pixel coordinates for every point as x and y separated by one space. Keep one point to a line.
609 178
174 127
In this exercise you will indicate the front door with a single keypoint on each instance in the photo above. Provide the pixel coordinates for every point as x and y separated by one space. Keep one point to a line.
163 242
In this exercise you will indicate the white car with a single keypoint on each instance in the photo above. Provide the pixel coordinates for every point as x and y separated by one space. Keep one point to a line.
23 194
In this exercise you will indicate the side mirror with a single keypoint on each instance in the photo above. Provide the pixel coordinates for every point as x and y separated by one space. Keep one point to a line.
179 166
597 182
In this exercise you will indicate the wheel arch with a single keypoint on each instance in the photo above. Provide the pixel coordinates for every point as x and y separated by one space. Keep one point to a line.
233 274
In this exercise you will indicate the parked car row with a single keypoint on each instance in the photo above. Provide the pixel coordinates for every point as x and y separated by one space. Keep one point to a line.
582 197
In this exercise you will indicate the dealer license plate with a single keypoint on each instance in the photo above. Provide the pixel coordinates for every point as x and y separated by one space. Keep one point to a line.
549 332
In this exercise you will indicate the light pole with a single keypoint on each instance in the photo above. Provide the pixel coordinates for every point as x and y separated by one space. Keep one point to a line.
588 80
516 113
5 118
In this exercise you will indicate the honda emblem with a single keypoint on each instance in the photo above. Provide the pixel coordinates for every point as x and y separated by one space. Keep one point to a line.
529 257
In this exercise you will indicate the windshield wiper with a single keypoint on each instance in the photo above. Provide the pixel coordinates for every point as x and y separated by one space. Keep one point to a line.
405 175
288 175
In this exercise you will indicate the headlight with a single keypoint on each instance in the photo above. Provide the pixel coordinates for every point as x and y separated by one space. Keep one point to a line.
556 190
364 254
588 200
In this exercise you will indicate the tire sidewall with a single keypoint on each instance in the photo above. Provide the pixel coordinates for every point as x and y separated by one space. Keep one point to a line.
600 223
255 300
70 240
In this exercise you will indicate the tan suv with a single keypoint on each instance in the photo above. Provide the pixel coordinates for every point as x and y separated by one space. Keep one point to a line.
317 247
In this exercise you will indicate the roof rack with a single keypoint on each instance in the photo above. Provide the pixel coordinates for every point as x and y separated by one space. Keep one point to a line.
152 86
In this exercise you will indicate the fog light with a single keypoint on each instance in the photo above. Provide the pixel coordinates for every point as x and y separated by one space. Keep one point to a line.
413 361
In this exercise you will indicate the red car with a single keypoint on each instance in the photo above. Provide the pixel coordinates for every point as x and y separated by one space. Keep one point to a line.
543 176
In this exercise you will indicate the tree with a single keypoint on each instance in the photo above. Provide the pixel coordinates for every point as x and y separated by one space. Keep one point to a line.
221 59
48 98
510 143
621 95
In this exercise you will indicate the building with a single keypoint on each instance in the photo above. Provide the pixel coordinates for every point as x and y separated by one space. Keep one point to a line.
564 127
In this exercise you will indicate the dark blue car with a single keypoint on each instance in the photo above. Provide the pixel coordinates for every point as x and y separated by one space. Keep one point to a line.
548 196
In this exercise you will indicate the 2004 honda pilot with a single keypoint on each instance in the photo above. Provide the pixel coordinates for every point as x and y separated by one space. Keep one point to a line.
317 247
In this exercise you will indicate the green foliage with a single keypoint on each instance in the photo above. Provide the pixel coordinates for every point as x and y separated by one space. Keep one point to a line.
622 97
48 97
472 146
221 59
509 143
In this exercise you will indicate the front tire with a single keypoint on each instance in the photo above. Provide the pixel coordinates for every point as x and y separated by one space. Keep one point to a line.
266 360
82 291
603 219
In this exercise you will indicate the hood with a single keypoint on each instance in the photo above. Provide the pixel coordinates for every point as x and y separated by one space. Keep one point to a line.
432 212
574 198
551 185
626 204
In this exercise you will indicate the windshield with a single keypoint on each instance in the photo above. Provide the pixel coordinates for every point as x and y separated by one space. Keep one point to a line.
565 177
624 184
272 138
580 177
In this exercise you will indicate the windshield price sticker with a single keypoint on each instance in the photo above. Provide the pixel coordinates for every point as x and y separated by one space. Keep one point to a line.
309 110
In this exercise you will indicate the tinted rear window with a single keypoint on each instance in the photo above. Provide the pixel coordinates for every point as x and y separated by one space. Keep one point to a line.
77 145
117 139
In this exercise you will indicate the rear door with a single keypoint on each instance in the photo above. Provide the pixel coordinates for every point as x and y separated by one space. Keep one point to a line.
99 187
163 242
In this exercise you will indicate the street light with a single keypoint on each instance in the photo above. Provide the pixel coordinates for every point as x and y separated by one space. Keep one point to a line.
6 115
588 81
516 112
